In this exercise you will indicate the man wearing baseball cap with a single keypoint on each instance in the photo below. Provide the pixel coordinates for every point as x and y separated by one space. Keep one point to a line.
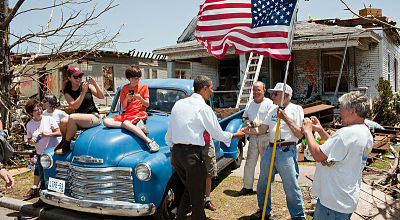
285 163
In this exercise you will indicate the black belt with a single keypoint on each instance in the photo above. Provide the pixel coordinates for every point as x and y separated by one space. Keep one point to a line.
282 144
188 145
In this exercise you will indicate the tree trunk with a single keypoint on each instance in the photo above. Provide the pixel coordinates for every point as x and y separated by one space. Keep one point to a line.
5 74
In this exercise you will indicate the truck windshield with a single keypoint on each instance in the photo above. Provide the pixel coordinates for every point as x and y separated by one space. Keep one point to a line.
164 99
161 100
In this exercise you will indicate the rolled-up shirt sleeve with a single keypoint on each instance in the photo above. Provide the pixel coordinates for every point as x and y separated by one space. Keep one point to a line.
213 127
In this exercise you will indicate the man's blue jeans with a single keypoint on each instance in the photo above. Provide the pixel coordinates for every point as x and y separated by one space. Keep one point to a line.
324 213
285 164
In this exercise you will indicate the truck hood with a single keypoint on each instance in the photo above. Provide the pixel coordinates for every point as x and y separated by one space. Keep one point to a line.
112 145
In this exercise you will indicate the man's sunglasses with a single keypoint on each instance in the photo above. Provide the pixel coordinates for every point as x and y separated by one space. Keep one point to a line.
78 76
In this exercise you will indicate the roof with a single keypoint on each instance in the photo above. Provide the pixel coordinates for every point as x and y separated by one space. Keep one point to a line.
305 32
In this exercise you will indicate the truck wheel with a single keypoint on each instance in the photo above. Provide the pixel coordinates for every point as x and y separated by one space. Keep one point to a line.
238 161
170 202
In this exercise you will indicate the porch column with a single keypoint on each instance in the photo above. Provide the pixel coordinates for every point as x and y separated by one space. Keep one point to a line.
170 68
242 66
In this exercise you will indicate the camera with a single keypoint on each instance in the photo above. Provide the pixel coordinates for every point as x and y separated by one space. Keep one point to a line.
131 91
87 79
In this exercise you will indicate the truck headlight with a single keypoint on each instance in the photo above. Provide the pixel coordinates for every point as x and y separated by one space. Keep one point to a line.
46 161
143 172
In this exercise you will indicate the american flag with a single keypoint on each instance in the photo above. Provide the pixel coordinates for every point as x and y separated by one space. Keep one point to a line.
260 26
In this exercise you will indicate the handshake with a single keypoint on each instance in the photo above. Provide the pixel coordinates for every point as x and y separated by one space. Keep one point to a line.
252 124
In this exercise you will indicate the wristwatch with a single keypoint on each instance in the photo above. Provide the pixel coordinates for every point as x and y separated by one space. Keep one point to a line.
2 166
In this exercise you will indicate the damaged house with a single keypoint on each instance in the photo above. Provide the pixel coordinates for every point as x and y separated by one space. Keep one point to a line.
318 48
106 67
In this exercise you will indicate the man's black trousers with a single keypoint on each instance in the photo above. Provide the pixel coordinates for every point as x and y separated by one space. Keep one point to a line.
191 170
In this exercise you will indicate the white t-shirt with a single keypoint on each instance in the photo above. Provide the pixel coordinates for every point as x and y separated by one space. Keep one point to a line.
46 125
57 115
294 112
257 112
338 185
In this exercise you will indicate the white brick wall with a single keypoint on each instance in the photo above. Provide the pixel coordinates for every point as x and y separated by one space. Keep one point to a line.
389 51
302 59
207 67
368 68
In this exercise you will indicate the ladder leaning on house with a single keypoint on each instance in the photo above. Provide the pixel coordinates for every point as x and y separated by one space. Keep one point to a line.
250 76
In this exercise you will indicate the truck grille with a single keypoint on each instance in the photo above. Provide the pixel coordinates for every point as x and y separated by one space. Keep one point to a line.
101 184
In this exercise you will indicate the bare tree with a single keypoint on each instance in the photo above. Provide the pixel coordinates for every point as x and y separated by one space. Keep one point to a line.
73 31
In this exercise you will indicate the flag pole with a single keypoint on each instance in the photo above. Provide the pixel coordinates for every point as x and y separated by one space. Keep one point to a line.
293 22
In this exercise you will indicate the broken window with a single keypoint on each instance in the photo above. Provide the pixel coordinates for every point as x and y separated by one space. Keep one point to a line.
108 78
154 74
180 74
331 63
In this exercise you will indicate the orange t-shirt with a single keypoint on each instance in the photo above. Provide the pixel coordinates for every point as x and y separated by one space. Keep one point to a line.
135 105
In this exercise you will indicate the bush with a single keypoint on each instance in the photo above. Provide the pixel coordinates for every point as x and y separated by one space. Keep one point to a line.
386 108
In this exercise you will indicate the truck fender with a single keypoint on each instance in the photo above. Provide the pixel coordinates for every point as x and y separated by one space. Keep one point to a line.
151 191
231 151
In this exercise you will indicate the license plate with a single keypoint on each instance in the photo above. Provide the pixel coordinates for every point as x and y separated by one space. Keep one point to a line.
56 185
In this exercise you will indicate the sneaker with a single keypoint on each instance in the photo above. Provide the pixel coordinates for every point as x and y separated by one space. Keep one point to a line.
245 191
32 193
142 126
153 146
63 147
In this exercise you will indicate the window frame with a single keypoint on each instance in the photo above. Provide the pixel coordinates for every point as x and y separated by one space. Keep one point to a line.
327 74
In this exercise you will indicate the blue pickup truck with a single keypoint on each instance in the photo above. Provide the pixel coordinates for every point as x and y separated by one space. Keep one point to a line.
112 172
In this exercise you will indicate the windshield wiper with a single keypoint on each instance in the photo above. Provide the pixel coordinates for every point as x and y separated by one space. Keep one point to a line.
158 111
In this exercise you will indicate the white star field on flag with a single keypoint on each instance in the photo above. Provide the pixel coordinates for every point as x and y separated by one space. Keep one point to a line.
271 12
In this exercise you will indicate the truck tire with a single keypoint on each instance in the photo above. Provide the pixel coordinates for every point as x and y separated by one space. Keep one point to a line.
238 161
169 205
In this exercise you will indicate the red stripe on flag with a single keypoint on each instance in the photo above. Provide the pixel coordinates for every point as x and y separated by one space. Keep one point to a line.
224 16
225 6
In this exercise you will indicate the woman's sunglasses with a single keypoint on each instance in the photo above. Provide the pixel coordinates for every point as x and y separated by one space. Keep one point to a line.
78 76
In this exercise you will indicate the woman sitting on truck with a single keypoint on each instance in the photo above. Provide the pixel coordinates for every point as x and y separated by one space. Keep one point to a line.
135 99
80 97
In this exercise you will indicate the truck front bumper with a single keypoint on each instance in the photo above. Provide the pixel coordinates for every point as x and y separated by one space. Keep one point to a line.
116 208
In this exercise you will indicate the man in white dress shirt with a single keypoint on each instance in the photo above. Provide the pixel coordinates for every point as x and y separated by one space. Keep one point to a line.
190 117
255 114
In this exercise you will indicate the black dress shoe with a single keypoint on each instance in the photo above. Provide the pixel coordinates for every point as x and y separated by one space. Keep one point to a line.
258 216
210 206
245 191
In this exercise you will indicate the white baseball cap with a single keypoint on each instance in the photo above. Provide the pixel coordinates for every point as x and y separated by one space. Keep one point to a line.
279 88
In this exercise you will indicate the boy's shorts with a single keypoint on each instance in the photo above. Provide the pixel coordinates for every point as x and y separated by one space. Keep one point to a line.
208 153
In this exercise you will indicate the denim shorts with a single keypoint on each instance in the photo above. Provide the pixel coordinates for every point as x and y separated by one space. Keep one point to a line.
96 119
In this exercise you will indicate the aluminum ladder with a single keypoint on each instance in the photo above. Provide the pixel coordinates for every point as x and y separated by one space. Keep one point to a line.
250 76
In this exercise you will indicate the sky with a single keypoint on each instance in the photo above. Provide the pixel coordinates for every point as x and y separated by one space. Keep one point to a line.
159 23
